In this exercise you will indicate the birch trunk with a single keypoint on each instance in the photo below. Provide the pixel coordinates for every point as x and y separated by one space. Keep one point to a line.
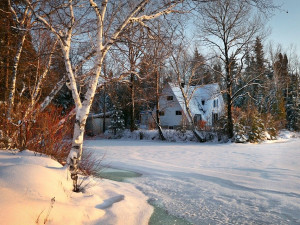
12 90
103 45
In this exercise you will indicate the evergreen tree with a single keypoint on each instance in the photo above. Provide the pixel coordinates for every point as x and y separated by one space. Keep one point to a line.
259 72
282 82
200 74
293 104
117 121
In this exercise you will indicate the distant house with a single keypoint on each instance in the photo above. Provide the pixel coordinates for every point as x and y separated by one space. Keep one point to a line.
94 123
206 105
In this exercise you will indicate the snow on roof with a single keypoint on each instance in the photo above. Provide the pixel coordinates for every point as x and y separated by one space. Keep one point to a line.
200 97
100 115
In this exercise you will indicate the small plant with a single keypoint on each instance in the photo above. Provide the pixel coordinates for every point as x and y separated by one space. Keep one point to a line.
48 212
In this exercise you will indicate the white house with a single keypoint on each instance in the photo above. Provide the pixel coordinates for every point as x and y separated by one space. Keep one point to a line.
205 103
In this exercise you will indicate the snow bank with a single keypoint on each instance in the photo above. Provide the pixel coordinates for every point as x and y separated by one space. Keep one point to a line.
38 190
170 135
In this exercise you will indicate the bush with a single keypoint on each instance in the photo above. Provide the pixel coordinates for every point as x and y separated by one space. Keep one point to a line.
48 135
41 132
240 133
253 126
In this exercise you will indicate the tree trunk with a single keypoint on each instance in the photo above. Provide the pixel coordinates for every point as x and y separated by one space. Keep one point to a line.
12 90
104 99
229 118
189 114
53 93
76 150
194 130
161 135
104 109
229 96
132 113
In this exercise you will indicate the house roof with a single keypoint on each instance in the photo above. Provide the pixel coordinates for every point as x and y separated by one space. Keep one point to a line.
197 95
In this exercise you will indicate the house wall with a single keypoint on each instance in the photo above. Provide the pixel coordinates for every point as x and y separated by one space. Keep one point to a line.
211 109
169 107
94 126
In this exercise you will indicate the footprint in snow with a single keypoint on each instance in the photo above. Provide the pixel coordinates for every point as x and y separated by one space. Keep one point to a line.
109 202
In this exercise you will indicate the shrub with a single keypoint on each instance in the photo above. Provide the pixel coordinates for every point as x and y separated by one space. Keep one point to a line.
41 132
253 126
50 135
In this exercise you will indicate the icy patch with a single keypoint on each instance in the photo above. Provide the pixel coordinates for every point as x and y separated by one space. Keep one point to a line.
214 183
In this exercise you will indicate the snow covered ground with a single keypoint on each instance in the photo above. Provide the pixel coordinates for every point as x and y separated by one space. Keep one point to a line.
38 190
214 183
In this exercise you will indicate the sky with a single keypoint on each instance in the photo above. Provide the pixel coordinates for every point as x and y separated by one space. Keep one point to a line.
285 24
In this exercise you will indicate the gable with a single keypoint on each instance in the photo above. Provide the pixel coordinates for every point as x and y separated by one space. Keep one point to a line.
201 99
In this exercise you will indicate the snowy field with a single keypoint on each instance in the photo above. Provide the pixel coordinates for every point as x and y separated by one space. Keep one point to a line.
36 190
214 183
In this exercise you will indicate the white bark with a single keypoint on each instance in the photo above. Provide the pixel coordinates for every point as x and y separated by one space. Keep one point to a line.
103 45
12 90
22 22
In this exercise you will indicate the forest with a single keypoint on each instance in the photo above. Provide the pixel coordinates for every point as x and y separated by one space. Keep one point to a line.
62 60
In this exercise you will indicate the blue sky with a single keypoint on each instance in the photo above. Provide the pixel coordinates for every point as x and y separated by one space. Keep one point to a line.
285 26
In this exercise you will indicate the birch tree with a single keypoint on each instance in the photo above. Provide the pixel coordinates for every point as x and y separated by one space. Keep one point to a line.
23 22
63 19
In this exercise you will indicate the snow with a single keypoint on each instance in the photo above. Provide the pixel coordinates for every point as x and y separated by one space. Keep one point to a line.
214 183
198 95
38 190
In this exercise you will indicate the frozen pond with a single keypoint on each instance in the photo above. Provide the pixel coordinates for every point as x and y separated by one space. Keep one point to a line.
213 183
160 215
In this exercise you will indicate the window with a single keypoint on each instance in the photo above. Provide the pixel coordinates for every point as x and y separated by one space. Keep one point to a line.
169 98
197 118
203 102
161 113
216 103
178 113
215 118
171 127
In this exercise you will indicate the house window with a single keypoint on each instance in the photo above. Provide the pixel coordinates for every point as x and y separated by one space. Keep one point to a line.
197 118
178 113
203 102
161 113
171 127
216 103
215 118
169 98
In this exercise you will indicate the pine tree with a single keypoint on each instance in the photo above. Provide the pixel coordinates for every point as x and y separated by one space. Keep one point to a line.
259 72
293 104
200 75
117 122
282 82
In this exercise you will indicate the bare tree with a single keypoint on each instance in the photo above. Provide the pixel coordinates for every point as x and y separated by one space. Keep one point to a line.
184 68
63 19
22 18
229 26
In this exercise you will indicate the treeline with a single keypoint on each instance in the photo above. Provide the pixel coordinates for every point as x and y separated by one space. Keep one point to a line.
260 84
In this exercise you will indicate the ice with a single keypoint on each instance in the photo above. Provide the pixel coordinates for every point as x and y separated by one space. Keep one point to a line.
213 183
